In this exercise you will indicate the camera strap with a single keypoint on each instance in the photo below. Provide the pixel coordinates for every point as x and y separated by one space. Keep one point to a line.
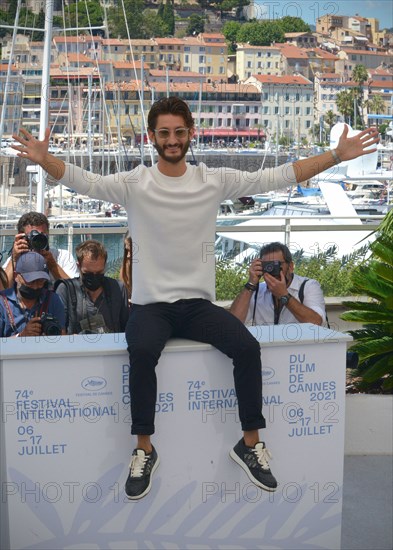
11 317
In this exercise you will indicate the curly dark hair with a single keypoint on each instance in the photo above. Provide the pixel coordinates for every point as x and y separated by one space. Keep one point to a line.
169 106
32 218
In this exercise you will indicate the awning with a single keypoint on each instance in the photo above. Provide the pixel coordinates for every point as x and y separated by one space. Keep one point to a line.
231 132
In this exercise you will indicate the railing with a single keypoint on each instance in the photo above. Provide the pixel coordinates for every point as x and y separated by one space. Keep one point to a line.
97 225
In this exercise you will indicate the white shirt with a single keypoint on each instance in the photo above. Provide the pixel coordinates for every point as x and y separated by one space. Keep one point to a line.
172 221
264 313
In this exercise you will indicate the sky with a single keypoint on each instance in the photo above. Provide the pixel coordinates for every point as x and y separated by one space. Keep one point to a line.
310 10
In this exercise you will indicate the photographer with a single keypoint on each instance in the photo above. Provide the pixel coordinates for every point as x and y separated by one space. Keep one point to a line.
284 297
29 308
93 303
33 234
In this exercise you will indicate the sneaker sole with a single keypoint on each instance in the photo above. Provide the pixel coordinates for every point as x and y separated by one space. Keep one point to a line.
239 461
137 497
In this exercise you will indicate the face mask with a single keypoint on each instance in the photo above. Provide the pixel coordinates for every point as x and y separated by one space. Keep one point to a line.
30 293
93 281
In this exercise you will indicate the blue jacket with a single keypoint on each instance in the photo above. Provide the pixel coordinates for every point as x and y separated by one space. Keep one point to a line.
48 302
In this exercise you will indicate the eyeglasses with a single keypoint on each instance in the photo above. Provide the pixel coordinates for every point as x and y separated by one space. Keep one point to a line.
164 133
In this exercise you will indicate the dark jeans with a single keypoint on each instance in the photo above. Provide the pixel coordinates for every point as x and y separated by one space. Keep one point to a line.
150 326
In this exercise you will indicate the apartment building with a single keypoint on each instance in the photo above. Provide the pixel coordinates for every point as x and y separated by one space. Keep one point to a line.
301 39
258 60
327 23
327 86
146 48
208 58
348 58
287 107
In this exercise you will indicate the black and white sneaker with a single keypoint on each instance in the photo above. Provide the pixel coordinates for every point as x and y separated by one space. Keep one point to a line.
142 468
254 461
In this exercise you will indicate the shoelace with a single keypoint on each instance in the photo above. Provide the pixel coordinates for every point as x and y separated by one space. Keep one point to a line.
262 455
138 464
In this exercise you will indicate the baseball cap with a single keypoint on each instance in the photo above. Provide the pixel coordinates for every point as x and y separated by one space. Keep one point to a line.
32 266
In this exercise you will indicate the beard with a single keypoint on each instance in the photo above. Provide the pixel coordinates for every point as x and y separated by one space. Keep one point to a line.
174 159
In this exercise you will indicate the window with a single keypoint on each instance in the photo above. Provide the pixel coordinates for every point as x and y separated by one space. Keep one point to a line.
298 110
276 110
308 123
201 59
308 110
287 110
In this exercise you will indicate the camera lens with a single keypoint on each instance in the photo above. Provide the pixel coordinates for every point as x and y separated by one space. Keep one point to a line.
37 240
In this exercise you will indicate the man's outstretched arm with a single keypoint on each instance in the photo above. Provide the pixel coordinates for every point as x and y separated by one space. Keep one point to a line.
347 149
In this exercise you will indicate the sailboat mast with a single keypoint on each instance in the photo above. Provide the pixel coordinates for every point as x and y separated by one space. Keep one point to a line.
45 97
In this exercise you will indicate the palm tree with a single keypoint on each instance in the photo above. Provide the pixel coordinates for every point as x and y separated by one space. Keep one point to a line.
375 104
329 118
360 76
344 102
374 342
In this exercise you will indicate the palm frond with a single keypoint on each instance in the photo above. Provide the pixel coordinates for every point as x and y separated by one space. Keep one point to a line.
383 250
374 279
380 368
369 348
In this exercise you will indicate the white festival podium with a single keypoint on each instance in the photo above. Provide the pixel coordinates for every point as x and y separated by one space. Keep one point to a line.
66 445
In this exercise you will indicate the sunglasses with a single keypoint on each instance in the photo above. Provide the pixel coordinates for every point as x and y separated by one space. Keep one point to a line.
164 133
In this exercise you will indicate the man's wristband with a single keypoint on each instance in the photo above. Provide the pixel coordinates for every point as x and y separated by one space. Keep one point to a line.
337 159
251 287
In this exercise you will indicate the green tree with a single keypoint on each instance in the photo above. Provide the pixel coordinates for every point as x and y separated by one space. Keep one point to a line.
38 36
153 25
329 118
81 14
168 16
374 280
230 30
134 13
293 24
260 33
196 24
376 105
360 76
344 102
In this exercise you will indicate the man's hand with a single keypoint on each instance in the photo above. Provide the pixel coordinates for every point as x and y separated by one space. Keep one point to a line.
20 246
32 328
353 147
32 149
35 150
255 271
278 287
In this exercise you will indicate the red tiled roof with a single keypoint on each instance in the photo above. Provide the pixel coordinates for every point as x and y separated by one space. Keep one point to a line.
292 52
364 52
285 79
157 72
129 65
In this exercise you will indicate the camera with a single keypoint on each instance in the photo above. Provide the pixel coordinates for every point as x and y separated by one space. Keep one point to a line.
273 267
50 325
37 240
